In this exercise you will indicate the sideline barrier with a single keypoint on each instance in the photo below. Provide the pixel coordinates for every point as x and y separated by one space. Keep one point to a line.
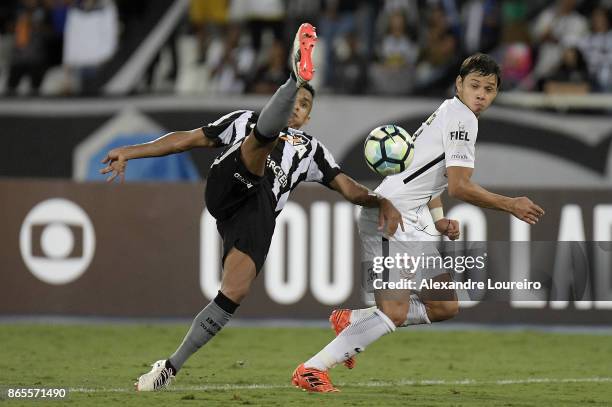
117 250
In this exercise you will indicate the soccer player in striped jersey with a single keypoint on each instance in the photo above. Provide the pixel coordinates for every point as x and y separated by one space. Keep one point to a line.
444 157
266 156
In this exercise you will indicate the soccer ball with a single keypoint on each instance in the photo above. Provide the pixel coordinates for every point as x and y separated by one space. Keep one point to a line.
388 150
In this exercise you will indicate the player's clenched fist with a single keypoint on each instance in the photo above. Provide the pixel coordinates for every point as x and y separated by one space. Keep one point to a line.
115 163
448 228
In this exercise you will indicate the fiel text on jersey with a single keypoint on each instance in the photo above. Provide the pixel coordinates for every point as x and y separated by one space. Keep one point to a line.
459 135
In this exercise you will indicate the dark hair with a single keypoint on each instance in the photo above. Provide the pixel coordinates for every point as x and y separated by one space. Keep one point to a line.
482 64
309 88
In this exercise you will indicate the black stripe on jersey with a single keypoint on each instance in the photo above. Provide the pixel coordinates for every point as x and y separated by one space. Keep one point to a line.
385 253
321 162
424 168
214 130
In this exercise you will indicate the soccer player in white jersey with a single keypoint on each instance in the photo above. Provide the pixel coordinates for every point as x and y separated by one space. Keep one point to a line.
266 156
444 157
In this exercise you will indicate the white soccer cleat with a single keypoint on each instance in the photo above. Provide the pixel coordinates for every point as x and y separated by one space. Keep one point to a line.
158 378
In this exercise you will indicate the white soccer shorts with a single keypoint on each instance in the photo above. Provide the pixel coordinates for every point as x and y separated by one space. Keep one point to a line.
412 251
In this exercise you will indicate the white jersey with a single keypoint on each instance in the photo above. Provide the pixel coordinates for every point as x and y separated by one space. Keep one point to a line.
446 139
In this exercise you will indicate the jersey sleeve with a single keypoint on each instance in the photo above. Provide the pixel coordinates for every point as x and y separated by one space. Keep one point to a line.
322 168
230 128
460 141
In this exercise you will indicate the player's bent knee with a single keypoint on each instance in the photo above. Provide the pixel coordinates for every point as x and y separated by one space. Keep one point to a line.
397 315
443 310
451 309
398 320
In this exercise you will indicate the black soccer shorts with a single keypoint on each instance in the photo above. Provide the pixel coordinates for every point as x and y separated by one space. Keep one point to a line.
243 206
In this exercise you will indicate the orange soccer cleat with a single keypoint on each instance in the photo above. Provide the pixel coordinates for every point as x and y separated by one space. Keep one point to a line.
339 320
314 380
303 45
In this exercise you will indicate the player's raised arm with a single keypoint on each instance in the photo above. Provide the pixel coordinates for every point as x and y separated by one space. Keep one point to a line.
460 186
358 194
171 143
446 227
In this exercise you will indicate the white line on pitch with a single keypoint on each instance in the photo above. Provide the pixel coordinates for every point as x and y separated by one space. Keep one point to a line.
403 382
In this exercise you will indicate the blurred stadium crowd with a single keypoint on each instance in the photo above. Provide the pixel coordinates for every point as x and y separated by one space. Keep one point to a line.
383 47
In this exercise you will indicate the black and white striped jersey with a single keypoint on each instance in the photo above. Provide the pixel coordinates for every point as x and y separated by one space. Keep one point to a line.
297 156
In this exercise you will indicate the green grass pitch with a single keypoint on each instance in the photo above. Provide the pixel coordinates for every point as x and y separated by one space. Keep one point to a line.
252 366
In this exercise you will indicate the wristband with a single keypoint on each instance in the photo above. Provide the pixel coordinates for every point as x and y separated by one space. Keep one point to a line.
437 213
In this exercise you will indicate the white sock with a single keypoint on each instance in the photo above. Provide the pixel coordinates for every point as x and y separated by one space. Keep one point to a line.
358 314
417 313
354 339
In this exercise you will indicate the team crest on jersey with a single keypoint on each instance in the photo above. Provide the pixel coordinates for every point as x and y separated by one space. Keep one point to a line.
297 140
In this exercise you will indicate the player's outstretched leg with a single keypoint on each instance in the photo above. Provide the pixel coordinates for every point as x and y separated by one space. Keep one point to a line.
238 274
435 305
341 318
159 378
303 46
420 312
312 380
203 328
352 340
275 114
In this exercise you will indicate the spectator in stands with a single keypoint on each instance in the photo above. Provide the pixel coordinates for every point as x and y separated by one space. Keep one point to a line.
572 76
297 12
516 65
274 73
439 53
58 11
90 39
410 9
556 27
451 13
398 55
231 63
29 53
259 16
338 19
350 76
597 49
208 18
515 51
481 25
7 14
171 45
